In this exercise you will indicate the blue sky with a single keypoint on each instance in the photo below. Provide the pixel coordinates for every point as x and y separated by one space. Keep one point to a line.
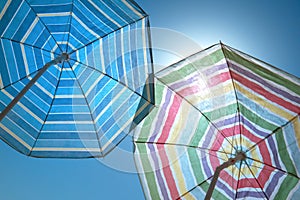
268 30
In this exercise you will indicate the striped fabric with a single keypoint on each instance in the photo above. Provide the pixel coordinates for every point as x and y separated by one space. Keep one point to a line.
86 105
210 107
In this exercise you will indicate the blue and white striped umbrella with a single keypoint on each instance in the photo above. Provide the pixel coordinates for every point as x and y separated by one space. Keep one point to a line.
76 75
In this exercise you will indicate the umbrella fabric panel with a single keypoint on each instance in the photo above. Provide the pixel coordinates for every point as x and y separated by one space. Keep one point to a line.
69 127
20 61
123 55
22 125
77 23
282 156
265 88
21 24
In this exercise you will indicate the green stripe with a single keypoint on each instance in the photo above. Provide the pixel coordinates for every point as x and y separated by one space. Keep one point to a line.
254 118
195 163
206 61
273 76
221 112
200 131
286 187
150 177
283 152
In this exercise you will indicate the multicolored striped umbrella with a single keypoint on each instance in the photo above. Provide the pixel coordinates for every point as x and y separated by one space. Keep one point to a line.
75 75
221 111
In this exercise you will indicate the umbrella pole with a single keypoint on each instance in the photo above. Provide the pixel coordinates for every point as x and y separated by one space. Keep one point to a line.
59 59
240 156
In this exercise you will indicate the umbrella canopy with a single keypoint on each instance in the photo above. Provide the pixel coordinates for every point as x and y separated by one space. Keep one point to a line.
221 111
75 75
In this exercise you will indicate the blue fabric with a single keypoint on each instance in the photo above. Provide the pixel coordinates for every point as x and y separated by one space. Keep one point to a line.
84 106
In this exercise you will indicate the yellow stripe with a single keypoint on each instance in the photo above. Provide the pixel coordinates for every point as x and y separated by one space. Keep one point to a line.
176 170
15 136
296 125
255 98
212 92
180 122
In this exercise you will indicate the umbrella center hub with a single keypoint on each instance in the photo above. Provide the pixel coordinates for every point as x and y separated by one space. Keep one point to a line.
239 156
62 57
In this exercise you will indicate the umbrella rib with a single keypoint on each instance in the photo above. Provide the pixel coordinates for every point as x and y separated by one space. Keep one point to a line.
25 44
88 105
257 181
70 23
193 188
238 181
276 168
273 132
54 94
200 113
184 145
186 59
113 79
101 37
43 24
268 64
234 88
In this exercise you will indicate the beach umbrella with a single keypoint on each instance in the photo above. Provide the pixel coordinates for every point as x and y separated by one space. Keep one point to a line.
227 125
75 75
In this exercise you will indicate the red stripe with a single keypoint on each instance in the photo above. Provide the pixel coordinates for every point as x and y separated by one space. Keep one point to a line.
260 90
220 78
167 172
213 81
174 108
189 91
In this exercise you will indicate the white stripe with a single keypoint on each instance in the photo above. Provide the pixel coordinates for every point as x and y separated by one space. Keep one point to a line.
29 30
120 129
102 57
117 133
110 103
93 99
44 90
15 136
145 47
8 25
133 9
108 17
7 67
72 96
87 28
66 149
25 59
21 22
69 122
53 14
25 109
5 8
122 56
94 84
